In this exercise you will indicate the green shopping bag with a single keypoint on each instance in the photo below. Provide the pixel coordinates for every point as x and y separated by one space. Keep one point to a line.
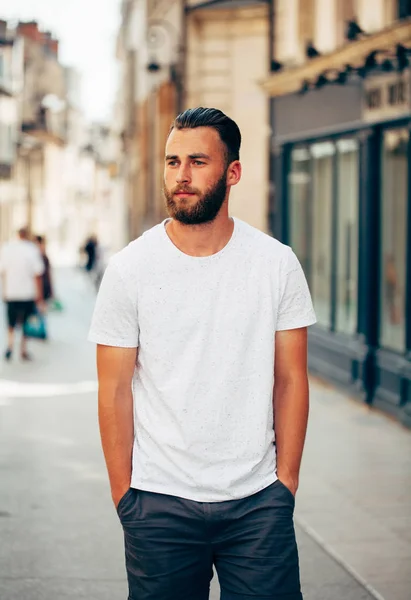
35 327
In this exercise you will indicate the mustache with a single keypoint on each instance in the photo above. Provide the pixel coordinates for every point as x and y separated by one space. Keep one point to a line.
184 190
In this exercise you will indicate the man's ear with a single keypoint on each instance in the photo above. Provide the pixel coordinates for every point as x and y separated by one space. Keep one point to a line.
234 173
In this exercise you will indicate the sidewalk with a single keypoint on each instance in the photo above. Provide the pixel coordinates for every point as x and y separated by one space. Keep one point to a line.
62 537
355 493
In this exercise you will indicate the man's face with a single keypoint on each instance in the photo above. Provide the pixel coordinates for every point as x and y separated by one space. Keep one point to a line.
195 175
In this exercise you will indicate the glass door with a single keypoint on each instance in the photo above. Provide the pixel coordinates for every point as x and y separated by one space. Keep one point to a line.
321 246
299 185
393 238
347 235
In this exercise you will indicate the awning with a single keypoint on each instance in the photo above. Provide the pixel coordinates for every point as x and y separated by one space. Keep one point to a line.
290 80
225 4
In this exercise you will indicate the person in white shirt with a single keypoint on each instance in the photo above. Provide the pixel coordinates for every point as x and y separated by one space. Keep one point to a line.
201 326
21 268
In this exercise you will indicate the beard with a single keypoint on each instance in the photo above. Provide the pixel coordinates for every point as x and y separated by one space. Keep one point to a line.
206 208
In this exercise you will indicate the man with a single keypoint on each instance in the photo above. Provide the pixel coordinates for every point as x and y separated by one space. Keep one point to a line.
90 250
199 317
21 268
46 278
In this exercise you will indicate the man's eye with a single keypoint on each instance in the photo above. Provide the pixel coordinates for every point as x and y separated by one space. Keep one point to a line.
172 163
199 162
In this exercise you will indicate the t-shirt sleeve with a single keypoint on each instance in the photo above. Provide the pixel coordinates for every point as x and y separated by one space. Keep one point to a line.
115 318
296 308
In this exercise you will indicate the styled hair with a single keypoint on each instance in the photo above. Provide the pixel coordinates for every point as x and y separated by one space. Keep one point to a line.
227 129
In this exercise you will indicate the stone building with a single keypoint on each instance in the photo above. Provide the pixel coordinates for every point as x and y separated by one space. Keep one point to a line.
57 173
340 116
11 86
175 55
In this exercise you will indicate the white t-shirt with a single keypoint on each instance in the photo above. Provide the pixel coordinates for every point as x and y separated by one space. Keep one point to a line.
20 263
203 383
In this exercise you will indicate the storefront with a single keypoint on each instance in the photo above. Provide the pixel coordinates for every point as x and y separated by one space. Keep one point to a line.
340 162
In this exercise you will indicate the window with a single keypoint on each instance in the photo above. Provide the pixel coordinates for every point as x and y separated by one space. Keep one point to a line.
324 178
347 235
404 8
322 195
287 31
371 15
393 242
325 39
6 144
306 22
299 185
346 11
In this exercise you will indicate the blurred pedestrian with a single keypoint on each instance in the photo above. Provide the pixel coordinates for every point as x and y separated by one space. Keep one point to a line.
21 268
46 278
90 249
204 318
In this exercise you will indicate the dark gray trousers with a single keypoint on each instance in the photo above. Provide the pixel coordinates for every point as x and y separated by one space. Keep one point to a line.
172 544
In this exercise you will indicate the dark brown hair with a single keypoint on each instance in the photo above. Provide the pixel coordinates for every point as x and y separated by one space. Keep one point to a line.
227 129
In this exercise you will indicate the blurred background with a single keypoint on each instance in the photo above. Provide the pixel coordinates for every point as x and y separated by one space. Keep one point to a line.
321 92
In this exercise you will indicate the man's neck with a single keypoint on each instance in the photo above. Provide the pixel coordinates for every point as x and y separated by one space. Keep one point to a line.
201 240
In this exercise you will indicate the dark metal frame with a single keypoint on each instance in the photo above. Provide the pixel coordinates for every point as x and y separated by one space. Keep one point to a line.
379 376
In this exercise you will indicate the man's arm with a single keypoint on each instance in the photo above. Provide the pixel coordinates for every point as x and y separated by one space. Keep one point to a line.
2 274
115 367
291 403
39 288
38 270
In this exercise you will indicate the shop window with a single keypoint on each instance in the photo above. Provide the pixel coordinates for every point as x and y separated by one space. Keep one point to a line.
347 236
321 248
393 242
404 9
299 192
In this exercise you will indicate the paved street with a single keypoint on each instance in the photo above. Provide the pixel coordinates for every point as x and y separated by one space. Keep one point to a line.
60 536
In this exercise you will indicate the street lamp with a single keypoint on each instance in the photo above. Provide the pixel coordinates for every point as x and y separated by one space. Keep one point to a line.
157 32
27 146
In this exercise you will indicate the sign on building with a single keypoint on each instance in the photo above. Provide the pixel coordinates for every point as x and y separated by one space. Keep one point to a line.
387 97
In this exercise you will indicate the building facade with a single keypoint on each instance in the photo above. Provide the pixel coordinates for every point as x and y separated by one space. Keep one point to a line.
11 86
58 174
177 54
340 110
227 56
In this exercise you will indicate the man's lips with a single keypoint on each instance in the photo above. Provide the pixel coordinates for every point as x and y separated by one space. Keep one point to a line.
184 194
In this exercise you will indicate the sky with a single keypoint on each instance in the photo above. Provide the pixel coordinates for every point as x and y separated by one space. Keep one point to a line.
87 31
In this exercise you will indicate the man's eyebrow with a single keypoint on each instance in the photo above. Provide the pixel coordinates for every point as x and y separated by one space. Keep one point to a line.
192 156
199 155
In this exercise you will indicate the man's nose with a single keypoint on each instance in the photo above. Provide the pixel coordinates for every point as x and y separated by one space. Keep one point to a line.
183 175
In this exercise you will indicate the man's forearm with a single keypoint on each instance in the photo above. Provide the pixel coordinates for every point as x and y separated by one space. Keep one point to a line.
39 287
117 437
291 406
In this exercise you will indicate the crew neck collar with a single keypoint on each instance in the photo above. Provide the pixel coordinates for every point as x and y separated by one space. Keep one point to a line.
210 257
